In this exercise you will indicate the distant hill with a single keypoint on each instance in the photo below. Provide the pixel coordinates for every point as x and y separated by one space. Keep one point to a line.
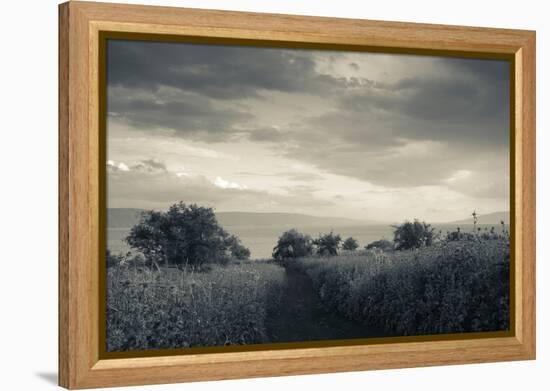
127 217
490 218
281 219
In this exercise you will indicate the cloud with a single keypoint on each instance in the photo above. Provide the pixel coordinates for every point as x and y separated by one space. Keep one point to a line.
266 134
293 176
216 71
113 166
150 165
188 115
414 121
140 187
220 182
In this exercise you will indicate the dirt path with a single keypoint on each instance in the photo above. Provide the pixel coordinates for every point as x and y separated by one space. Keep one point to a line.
301 316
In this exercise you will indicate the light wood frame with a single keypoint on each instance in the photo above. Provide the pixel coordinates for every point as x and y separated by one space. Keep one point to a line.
80 24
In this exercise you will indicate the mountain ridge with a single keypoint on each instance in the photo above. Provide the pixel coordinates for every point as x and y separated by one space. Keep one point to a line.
128 217
489 218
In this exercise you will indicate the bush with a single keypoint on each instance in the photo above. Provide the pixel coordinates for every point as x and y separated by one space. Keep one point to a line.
328 244
382 244
412 235
175 309
114 260
451 287
350 244
292 244
237 250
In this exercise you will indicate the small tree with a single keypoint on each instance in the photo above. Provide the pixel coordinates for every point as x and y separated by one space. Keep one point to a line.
412 235
183 235
328 244
236 249
350 244
292 244
382 244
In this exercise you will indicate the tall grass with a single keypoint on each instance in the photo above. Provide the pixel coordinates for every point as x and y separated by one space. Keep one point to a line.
451 287
226 306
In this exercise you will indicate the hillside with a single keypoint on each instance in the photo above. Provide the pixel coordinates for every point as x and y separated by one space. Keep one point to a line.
281 219
490 218
126 217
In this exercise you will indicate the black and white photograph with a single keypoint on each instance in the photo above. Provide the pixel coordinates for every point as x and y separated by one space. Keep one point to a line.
267 195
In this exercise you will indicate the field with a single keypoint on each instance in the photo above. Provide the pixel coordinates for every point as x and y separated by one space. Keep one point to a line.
451 287
227 305
192 284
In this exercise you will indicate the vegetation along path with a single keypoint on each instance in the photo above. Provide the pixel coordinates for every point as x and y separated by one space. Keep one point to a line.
301 316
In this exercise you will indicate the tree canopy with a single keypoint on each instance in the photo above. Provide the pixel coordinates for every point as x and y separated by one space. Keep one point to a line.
184 235
411 235
292 244
350 244
328 244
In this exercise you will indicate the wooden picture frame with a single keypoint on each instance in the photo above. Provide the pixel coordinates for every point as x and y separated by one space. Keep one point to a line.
81 151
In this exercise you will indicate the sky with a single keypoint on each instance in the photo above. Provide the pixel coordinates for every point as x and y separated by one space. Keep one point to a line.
369 136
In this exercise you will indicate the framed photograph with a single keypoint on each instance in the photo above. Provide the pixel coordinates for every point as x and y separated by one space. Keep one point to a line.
247 195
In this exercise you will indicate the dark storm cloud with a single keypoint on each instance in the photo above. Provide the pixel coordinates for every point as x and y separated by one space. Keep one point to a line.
187 114
221 72
413 131
472 97
487 71
268 134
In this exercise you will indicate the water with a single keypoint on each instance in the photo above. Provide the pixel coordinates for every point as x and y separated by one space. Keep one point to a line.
261 240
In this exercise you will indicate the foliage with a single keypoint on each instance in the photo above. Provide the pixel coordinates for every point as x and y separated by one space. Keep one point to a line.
184 235
328 244
292 244
382 244
411 235
450 287
350 244
177 308
479 234
237 250
114 259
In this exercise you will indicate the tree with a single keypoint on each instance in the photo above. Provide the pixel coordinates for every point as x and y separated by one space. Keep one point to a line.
292 244
236 249
183 235
328 244
382 244
350 244
412 235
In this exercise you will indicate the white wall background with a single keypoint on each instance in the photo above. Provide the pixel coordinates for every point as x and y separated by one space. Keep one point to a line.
28 164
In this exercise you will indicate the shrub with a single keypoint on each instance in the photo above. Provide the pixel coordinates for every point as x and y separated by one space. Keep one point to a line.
412 235
237 250
174 309
292 244
382 244
451 287
113 259
350 244
328 244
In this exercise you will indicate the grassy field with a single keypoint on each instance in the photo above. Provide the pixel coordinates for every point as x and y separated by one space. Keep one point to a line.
451 287
226 306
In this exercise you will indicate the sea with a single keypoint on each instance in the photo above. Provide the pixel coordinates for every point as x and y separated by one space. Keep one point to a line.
260 240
